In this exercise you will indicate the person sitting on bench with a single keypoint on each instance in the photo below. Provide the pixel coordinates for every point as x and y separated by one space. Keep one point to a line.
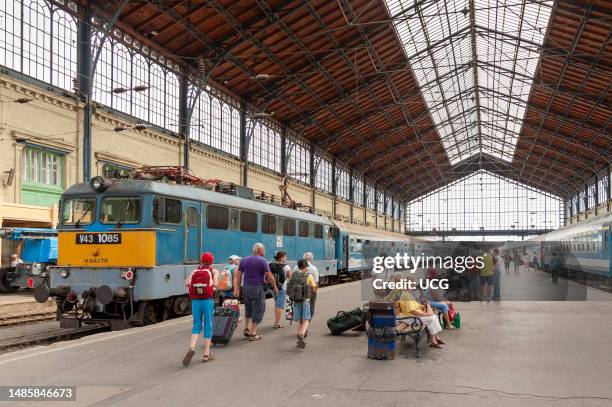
437 302
409 307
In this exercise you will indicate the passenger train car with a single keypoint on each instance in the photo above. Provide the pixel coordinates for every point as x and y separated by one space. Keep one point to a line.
584 249
126 246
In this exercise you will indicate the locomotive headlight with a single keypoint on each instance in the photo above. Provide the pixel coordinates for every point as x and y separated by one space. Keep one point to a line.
36 269
98 184
64 273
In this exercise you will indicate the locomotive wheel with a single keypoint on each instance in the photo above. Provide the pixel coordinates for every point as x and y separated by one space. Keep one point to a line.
150 314
5 287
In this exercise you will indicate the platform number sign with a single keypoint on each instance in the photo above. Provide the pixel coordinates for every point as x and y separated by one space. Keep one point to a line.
98 238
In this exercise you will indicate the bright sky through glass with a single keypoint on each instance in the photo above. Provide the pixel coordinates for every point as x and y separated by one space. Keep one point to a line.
474 62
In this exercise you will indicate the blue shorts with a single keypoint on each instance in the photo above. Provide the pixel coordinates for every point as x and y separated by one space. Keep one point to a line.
301 311
254 299
439 306
202 312
280 299
486 280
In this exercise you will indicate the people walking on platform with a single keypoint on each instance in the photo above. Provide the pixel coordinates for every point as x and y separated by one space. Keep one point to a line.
229 273
486 278
314 272
535 263
526 261
300 288
281 272
507 260
256 271
498 262
201 284
474 283
554 268
516 261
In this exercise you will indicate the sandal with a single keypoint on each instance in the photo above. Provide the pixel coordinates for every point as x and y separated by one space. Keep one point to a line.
441 342
278 326
300 342
188 357
255 337
436 345
247 334
208 358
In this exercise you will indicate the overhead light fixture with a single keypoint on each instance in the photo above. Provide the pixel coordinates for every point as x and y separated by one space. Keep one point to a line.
262 115
140 88
153 33
120 129
262 76
141 126
23 100
119 90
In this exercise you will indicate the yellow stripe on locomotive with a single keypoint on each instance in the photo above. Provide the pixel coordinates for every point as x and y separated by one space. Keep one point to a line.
106 249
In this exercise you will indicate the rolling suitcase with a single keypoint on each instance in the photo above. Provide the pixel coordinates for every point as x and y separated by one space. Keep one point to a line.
225 321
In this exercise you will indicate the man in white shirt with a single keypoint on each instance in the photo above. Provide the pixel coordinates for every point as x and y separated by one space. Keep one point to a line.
15 260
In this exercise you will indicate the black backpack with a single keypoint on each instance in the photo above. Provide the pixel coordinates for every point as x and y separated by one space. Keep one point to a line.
278 271
297 287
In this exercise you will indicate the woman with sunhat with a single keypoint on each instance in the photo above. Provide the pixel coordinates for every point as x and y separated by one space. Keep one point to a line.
201 284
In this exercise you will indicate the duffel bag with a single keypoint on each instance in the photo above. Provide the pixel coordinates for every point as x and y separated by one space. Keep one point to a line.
343 321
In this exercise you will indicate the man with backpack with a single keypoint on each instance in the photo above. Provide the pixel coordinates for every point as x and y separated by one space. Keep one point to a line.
281 272
201 284
300 287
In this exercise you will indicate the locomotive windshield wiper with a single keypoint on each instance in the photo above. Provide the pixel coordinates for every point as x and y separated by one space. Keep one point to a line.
78 222
124 214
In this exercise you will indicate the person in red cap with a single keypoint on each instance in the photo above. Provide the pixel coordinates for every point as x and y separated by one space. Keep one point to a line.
201 284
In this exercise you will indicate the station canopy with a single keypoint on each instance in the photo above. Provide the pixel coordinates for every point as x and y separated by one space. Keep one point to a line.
410 94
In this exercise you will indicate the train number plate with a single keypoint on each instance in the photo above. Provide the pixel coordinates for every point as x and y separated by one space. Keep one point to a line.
98 238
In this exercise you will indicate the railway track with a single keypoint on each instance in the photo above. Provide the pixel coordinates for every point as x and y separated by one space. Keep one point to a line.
11 320
50 336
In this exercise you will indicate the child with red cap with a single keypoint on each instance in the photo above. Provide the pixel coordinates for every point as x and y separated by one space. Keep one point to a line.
201 284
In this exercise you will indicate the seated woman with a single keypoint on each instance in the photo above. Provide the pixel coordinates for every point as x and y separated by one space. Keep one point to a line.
409 307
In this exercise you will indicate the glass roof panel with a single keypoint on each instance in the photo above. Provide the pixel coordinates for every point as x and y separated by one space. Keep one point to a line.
451 44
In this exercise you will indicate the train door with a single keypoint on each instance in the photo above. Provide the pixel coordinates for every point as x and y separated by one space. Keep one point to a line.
345 251
192 231
330 244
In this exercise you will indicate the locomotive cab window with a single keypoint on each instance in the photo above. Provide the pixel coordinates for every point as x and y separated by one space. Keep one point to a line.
78 211
303 229
234 219
289 227
318 231
191 216
167 210
248 221
120 210
217 217
279 225
268 224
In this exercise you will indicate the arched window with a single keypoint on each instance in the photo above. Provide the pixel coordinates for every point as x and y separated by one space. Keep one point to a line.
226 128
215 123
64 46
122 78
172 102
10 35
103 82
37 40
140 77
156 95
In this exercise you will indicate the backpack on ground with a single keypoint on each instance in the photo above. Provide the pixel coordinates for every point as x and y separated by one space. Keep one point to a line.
278 271
297 287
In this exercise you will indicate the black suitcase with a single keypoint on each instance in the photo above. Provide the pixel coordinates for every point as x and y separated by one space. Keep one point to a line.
225 321
343 321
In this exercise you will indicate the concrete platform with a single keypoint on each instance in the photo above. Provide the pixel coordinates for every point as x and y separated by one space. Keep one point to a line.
528 353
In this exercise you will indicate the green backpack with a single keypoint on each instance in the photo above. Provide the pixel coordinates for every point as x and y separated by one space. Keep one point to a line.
297 287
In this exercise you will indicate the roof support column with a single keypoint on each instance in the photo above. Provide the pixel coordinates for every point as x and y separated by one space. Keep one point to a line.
183 116
365 201
351 194
586 200
376 206
244 146
609 188
313 177
284 156
85 84
334 187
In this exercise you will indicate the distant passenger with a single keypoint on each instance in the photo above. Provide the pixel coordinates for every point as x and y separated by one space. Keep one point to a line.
554 268
201 284
15 260
536 264
230 272
507 259
498 261
526 261
281 272
256 271
486 278
515 261
301 287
